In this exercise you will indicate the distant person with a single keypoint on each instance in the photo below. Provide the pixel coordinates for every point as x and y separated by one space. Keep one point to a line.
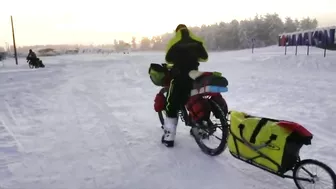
184 52
32 58
2 56
31 54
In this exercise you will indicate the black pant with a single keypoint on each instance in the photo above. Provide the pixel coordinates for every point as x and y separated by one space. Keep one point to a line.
33 61
178 94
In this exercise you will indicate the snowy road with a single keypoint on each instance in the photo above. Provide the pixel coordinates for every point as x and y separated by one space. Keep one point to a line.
88 122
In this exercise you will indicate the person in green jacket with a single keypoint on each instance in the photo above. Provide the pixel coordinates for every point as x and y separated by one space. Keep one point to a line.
184 52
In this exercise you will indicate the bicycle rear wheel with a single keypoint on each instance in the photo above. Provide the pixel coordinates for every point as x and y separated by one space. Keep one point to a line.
203 132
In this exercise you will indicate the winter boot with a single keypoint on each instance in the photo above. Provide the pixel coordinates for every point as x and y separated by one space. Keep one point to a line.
169 129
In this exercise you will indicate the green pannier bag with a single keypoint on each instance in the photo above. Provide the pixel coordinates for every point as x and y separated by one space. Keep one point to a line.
159 74
268 143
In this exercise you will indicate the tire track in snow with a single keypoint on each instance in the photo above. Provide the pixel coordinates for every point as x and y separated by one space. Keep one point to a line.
257 174
114 133
9 149
11 120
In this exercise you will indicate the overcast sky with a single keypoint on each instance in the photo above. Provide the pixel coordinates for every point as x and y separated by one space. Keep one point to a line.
102 21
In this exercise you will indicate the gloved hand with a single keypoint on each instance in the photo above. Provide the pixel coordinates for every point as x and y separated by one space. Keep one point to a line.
174 72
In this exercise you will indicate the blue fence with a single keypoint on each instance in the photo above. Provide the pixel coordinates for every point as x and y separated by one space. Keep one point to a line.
321 37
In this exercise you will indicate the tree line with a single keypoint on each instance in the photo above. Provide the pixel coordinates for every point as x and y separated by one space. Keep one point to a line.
262 29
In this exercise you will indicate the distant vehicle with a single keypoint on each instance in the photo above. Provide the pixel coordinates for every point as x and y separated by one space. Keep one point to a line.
72 51
47 52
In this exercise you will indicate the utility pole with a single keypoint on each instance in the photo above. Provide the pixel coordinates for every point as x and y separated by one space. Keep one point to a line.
15 53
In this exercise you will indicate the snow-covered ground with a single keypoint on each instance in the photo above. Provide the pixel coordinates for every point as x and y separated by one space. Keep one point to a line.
87 121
